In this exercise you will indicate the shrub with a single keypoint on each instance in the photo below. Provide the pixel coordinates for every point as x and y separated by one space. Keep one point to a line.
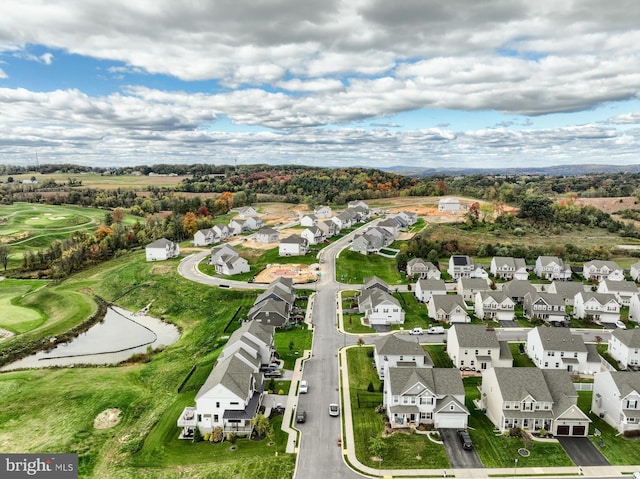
632 433
370 387
217 435
206 436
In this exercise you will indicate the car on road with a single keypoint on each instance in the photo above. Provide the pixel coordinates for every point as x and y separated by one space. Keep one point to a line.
334 410
435 330
635 475
301 416
465 439
304 387
416 331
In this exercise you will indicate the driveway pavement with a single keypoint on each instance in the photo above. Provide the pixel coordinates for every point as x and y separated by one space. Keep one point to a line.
582 451
458 457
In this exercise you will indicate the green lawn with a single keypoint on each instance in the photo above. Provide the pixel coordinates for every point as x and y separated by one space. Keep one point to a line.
415 312
438 355
352 267
520 360
402 450
291 344
16 318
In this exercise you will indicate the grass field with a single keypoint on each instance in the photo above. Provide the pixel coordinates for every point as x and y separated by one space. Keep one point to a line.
106 182
28 226
352 267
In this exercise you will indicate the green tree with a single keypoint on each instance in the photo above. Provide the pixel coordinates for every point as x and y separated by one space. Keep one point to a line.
260 424
5 250
536 208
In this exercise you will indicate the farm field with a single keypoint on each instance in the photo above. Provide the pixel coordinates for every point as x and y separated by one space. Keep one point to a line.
29 226
106 182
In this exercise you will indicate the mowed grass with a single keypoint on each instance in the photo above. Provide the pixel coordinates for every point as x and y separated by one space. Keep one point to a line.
54 410
16 318
352 267
28 226
106 182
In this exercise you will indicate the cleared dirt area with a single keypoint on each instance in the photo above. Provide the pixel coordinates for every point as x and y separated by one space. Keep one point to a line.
611 205
300 273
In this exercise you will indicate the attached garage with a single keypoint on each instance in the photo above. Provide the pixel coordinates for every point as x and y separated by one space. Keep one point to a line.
579 431
450 421
563 430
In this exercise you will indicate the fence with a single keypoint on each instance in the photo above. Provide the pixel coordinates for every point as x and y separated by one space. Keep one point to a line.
583 386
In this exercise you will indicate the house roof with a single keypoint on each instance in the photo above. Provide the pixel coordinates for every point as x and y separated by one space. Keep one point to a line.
267 231
461 260
449 200
432 284
377 296
473 283
160 243
567 289
374 281
559 339
621 286
549 260
392 345
602 298
629 337
388 222
626 381
270 306
440 381
293 239
444 402
497 296
475 336
510 262
549 298
599 264
233 373
518 288
263 332
448 302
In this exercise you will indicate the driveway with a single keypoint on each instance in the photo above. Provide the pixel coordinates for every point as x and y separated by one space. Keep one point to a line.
458 457
582 451
508 324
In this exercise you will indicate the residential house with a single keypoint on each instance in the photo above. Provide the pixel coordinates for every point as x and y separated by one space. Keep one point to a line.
567 290
622 290
221 232
344 220
548 307
270 312
162 249
597 270
598 307
517 289
494 305
616 399
281 289
534 400
469 287
254 223
425 288
419 268
371 282
308 220
552 268
380 308
329 228
448 308
322 212
267 235
475 347
634 271
414 396
230 265
246 212
634 308
390 225
624 347
460 266
365 244
558 348
408 217
313 235
232 394
360 213
221 251
504 267
358 204
204 237
396 352
449 205
238 226
293 245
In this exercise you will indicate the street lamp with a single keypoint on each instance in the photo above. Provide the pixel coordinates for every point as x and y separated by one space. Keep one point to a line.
515 467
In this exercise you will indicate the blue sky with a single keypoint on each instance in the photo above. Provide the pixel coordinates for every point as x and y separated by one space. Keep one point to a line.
498 83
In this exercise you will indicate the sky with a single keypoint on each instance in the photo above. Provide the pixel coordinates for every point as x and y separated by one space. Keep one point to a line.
374 83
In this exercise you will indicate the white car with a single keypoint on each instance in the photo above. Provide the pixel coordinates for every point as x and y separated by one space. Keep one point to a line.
334 410
621 325
304 387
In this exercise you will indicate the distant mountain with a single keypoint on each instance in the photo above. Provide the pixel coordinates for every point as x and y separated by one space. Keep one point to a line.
560 170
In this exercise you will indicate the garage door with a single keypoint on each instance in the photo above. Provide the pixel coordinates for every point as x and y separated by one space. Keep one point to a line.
456 421
578 431
562 431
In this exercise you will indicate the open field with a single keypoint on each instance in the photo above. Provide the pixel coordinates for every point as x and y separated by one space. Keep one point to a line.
29 226
106 182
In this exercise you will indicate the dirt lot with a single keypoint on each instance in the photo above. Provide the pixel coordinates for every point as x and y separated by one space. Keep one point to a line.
611 205
300 273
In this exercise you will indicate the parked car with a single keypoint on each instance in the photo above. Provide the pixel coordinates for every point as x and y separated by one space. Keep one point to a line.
301 416
273 373
621 325
334 410
304 387
435 330
416 331
465 439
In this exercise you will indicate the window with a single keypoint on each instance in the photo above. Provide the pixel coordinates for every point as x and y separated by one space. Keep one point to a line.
218 404
546 364
215 418
476 352
632 404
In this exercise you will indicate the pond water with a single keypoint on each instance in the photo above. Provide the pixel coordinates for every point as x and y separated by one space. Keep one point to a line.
120 335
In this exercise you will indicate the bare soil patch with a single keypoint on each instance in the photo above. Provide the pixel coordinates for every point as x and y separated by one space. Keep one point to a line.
300 273
611 205
107 418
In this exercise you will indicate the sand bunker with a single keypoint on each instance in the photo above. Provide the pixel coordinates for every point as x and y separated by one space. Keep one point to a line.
107 418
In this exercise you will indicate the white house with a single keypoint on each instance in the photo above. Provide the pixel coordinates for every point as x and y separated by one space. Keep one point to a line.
267 235
504 267
476 348
204 237
558 348
220 251
408 217
162 249
624 347
622 290
460 266
389 225
533 399
395 351
634 271
548 307
357 204
634 308
308 220
419 268
313 235
329 228
551 268
344 220
567 290
232 394
293 245
322 212
414 396
597 270
238 226
449 205
246 212
230 265
380 307
448 308
494 305
425 288
469 287
221 232
254 222
616 399
599 307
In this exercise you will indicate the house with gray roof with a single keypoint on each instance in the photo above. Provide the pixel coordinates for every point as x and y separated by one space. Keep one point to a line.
397 352
622 290
425 288
380 307
293 245
624 347
533 399
448 308
280 289
565 289
634 271
390 225
162 249
551 268
329 228
460 266
270 312
375 282
548 307
308 220
267 235
598 307
469 287
313 235
204 237
414 396
227 261
506 267
322 212
558 348
417 268
616 399
494 305
474 347
517 289
598 270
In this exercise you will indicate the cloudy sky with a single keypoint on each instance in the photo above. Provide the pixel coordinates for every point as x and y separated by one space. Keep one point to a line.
455 83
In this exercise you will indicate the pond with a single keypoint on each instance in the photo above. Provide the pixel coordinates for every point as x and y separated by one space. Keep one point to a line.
118 336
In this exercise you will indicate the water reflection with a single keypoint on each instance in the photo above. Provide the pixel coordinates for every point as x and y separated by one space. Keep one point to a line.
121 334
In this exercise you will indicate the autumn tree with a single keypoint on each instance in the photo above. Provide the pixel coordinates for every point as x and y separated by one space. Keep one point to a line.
118 215
102 232
190 223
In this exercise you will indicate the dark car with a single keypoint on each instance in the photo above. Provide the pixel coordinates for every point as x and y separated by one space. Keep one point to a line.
465 439
301 416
